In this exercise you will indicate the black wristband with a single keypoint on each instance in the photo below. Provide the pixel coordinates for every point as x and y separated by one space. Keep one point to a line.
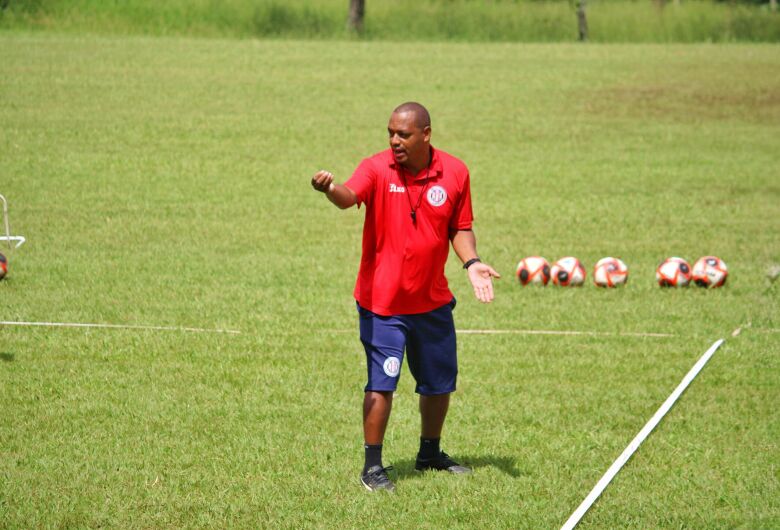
471 262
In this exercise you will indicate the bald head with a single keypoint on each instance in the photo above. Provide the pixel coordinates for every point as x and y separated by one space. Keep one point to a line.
421 117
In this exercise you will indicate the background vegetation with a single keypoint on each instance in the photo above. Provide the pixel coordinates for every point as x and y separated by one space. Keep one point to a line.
165 181
402 20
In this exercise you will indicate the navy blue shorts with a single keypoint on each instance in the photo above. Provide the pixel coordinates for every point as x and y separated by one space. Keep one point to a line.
429 341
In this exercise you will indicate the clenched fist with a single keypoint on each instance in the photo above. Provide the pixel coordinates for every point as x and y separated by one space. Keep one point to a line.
322 181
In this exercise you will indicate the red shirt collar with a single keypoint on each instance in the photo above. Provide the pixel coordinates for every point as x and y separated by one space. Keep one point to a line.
436 166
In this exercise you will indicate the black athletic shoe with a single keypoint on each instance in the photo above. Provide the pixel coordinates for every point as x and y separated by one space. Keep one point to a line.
442 462
376 479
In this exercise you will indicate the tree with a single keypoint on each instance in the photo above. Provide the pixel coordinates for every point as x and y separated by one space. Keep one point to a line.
357 10
582 20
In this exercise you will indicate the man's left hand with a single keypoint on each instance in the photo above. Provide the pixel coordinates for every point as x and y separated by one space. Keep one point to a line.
481 277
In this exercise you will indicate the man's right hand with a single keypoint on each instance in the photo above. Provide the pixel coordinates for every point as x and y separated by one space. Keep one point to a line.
338 194
322 181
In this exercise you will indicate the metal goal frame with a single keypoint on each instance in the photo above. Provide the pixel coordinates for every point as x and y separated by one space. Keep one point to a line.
18 240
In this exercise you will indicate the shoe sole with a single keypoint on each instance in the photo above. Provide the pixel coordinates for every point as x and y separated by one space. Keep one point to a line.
423 470
369 488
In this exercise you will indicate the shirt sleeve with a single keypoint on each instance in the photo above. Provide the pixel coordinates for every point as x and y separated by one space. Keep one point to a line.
363 182
463 216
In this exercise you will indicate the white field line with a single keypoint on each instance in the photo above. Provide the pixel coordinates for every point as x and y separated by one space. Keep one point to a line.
542 332
639 438
557 332
116 326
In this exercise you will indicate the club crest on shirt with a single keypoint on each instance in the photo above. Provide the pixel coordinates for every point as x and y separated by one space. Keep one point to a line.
437 196
392 367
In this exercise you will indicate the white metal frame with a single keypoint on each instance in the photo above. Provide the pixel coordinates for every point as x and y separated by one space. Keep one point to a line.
8 237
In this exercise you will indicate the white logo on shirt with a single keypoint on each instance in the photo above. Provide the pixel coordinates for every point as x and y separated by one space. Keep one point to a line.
392 367
437 196
396 189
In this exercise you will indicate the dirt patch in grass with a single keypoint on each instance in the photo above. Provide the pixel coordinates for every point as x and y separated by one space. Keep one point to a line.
686 102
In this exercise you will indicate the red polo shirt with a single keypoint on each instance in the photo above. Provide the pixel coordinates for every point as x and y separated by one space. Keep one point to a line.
402 267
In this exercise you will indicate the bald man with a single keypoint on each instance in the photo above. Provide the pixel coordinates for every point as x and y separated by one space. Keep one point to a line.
418 201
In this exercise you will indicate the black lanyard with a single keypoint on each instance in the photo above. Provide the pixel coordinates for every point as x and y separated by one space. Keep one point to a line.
413 209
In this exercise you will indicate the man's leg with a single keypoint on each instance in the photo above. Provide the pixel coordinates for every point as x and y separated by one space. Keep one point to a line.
432 354
376 413
433 411
384 339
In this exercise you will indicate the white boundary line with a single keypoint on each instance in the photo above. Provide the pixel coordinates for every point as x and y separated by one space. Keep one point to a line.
116 326
639 438
557 332
236 332
543 332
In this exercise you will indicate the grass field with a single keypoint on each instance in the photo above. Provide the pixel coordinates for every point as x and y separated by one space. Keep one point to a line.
165 182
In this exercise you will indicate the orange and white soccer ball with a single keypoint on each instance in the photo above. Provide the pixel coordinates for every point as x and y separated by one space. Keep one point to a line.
567 272
710 271
533 270
610 272
673 272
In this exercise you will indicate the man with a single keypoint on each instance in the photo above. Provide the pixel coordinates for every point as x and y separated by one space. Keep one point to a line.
417 200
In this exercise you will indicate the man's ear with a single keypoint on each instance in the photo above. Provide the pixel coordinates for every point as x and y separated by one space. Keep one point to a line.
427 133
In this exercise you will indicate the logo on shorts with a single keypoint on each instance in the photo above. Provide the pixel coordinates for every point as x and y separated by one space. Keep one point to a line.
392 366
437 195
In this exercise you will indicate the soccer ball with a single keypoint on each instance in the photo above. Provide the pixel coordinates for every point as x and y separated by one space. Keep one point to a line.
673 272
710 271
567 271
610 272
533 269
3 266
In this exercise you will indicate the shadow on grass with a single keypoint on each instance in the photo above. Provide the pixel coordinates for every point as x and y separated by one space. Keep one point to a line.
404 469
6 357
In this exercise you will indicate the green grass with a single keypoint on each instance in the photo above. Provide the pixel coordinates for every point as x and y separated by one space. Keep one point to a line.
405 20
165 182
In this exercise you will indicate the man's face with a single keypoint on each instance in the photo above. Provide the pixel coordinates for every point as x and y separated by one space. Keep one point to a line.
408 142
